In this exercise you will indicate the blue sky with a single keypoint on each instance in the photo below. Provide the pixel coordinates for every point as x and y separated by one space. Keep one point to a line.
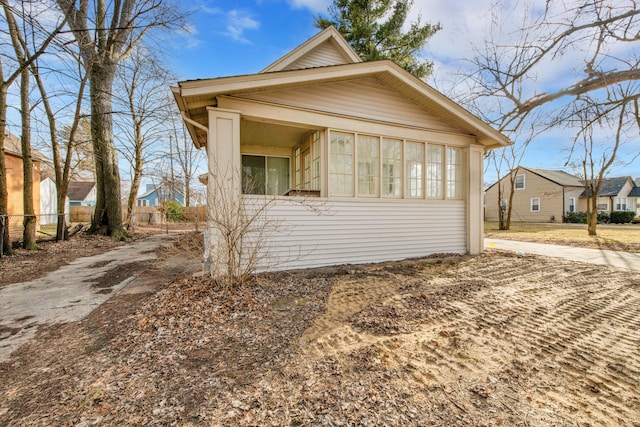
242 37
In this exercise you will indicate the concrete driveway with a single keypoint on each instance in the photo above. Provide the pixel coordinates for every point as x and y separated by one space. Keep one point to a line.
617 259
72 292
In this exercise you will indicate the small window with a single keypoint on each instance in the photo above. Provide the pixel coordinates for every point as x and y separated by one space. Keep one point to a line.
535 204
341 164
435 176
454 173
602 206
621 203
414 161
519 184
572 204
391 167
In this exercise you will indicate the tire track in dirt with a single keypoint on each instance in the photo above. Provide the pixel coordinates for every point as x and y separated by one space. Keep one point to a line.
557 339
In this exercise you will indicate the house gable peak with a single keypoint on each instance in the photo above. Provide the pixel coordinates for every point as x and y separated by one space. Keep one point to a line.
326 48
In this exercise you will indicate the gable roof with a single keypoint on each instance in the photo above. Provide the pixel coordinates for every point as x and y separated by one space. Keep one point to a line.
79 190
560 177
635 192
198 94
327 44
611 186
13 145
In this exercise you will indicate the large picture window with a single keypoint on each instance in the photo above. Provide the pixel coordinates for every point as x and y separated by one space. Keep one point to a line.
414 160
368 165
341 164
265 175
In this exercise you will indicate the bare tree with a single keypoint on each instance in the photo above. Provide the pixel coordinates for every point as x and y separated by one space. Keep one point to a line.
593 118
106 34
142 81
186 154
595 41
5 82
65 169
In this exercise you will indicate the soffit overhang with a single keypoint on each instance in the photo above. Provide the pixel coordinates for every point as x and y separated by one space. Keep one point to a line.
194 96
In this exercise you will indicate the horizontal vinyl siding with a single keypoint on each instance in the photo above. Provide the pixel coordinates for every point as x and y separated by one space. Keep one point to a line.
549 193
364 98
355 232
321 56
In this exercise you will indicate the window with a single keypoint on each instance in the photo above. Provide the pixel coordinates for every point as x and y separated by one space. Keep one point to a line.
621 203
435 177
341 164
535 204
391 167
454 173
368 165
143 202
265 175
572 204
315 161
519 184
414 159
602 206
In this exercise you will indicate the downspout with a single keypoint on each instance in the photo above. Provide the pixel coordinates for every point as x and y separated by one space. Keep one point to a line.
193 122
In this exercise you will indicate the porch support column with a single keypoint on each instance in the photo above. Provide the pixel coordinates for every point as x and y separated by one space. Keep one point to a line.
224 181
474 199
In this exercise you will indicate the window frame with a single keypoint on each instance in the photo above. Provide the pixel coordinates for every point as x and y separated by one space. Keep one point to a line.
572 204
336 180
515 182
266 172
531 205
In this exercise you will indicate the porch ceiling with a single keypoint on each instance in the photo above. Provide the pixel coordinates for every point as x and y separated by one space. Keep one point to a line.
270 134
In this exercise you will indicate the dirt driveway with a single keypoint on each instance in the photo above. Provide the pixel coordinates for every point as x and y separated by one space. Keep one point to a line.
494 340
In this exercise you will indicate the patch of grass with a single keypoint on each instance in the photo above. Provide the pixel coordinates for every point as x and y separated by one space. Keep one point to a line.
609 236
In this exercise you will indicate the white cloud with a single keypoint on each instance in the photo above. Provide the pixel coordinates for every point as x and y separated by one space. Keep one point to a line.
237 21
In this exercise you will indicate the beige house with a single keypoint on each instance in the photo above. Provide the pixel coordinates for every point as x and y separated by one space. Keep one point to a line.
540 195
361 161
617 194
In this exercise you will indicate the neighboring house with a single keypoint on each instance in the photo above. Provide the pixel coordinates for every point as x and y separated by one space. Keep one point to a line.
153 196
540 195
636 193
361 161
15 183
616 194
82 193
49 202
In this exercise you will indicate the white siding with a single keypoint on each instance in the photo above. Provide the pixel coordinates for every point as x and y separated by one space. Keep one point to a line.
366 98
323 55
355 232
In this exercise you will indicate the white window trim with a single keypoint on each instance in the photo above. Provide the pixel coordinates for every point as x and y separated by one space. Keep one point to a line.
531 204
572 204
403 178
515 182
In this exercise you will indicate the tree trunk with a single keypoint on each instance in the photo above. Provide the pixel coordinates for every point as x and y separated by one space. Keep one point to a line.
108 213
135 185
29 233
4 196
592 216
